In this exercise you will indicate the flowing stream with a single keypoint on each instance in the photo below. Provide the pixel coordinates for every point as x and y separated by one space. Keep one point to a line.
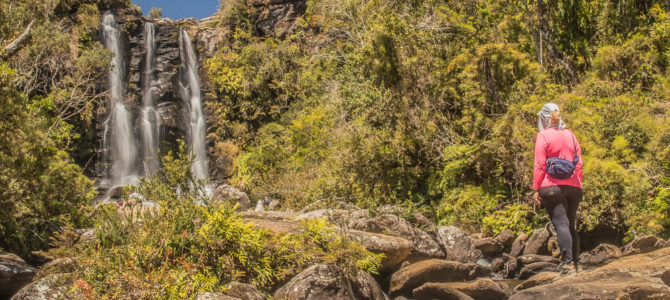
119 126
190 93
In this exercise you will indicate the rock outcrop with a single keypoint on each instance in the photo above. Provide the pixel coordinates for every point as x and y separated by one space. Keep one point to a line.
15 273
46 288
633 277
643 244
457 244
317 282
275 16
226 193
405 280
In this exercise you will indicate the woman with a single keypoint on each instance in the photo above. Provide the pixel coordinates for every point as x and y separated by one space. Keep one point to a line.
560 197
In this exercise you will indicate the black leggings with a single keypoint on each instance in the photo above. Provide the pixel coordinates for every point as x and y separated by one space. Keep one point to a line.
561 202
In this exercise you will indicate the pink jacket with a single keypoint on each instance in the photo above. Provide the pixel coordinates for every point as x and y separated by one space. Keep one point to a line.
554 142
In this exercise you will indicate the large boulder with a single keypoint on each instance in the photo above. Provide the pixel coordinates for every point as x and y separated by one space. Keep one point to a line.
604 253
243 291
317 282
489 247
435 290
395 249
537 279
340 217
433 270
424 246
533 258
518 245
480 289
47 288
226 193
457 244
529 270
644 244
215 296
633 277
15 273
366 287
537 243
506 238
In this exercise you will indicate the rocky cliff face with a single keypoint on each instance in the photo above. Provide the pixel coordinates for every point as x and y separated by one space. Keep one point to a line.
275 16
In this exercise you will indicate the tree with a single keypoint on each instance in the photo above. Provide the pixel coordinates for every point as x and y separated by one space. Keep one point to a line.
156 13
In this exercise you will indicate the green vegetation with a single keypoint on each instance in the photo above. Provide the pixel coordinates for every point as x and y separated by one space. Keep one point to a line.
182 248
432 104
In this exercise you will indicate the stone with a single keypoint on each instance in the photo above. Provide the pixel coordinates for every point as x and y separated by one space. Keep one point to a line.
317 282
210 39
511 267
424 246
537 243
480 289
215 296
506 238
243 291
533 258
226 193
457 244
425 224
395 249
433 270
529 270
553 247
604 253
489 247
365 287
631 277
15 273
43 289
432 290
497 265
537 279
644 244
518 245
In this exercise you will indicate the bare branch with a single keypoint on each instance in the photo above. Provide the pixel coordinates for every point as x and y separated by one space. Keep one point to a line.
18 43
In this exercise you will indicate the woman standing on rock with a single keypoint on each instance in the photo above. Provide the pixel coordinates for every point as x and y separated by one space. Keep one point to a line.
557 180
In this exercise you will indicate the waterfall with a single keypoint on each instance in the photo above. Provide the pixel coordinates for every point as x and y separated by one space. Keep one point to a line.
190 92
122 140
149 119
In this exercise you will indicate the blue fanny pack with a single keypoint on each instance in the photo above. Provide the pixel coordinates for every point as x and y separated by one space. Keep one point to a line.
560 168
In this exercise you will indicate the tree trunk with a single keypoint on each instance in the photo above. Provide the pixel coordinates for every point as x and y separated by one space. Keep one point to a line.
18 43
548 37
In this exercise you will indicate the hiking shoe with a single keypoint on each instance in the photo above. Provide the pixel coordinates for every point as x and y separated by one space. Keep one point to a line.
565 268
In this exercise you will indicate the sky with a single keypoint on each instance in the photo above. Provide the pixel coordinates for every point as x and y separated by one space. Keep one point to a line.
177 9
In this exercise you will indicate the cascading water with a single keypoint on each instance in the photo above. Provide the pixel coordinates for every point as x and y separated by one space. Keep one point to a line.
149 119
122 146
190 93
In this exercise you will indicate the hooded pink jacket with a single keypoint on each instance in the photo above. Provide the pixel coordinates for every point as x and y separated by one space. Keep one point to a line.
554 142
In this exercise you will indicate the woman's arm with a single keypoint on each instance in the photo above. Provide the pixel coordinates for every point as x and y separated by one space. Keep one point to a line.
580 163
540 161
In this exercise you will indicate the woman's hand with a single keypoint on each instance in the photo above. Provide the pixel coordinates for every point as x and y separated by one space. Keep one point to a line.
536 199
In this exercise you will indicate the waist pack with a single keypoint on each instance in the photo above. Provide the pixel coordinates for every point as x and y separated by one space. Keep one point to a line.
560 168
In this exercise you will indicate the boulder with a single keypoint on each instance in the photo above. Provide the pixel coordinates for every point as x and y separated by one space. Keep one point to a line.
497 265
269 215
434 290
644 244
553 247
511 267
534 268
533 258
44 289
215 296
537 243
15 273
518 245
433 270
424 246
480 289
226 193
506 238
317 282
243 291
395 249
604 253
633 277
341 217
366 287
537 279
457 244
489 247
425 224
